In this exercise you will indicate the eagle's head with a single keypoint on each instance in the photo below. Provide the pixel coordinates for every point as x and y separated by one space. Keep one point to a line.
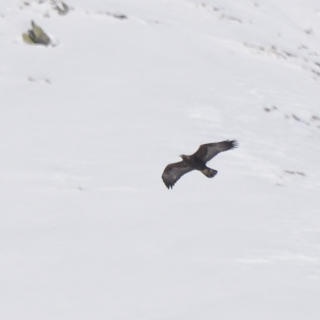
184 157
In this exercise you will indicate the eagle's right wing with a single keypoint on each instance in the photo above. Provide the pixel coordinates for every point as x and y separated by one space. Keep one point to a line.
207 151
173 172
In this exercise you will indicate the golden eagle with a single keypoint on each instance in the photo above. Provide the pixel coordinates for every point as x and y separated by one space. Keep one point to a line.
197 161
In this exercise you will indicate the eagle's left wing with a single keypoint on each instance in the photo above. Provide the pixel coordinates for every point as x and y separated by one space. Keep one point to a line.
173 172
207 151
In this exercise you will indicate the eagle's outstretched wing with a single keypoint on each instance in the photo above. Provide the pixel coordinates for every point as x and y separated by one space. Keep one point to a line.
207 151
173 172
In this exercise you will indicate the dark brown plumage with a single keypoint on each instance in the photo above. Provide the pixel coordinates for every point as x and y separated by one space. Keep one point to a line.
197 161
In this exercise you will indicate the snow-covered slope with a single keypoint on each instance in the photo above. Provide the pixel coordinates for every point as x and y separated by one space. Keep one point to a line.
88 229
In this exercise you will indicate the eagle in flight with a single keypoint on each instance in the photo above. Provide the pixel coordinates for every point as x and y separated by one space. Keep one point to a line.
197 161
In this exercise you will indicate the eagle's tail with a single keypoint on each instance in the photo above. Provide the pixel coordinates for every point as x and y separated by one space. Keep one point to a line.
210 173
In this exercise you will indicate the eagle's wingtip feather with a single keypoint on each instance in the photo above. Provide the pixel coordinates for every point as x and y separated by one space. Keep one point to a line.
234 144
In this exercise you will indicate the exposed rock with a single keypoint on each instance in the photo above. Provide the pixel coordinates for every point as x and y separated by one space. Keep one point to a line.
36 36
60 7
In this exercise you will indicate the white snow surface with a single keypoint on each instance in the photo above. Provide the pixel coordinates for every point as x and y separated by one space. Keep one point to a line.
88 229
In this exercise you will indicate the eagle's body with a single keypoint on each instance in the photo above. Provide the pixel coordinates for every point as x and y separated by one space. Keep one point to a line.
198 164
197 161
